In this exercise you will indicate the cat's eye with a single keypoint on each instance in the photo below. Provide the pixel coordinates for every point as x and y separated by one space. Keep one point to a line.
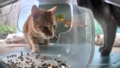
45 27
54 26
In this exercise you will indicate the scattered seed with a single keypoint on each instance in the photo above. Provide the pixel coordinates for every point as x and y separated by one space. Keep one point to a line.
28 54
7 57
53 66
44 61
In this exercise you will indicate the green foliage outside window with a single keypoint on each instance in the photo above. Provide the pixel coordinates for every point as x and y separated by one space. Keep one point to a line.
7 29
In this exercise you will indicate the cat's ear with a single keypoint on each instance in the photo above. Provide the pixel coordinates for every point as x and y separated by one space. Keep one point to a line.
52 10
35 11
98 35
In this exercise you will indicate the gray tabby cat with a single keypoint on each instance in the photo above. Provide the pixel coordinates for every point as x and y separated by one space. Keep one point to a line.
108 17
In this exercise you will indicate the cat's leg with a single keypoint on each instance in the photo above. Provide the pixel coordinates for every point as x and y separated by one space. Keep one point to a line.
101 48
104 31
109 37
46 42
34 42
27 40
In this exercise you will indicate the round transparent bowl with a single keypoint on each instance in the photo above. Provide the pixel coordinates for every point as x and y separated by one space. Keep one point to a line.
76 45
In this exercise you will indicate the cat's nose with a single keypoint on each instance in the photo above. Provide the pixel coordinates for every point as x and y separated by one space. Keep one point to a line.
51 34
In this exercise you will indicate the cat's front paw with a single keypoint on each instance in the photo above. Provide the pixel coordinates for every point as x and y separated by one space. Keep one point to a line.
105 52
35 50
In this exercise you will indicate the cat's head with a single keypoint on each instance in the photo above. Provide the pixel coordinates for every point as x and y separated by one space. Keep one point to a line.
44 21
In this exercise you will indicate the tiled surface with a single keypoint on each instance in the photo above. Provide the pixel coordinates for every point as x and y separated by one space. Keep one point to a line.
115 50
99 61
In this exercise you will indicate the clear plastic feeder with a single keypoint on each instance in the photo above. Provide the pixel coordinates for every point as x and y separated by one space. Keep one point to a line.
75 43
